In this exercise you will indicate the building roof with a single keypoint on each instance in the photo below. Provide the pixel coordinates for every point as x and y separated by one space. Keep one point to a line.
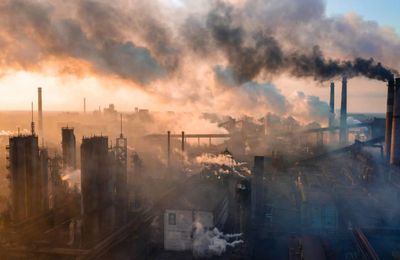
199 195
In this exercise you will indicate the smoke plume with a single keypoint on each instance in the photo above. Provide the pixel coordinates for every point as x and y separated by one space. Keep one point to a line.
208 243
261 52
175 50
72 177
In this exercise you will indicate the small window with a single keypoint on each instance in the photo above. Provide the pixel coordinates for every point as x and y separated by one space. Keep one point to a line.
171 219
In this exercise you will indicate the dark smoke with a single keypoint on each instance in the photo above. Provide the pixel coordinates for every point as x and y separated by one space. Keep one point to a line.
142 42
264 54
246 61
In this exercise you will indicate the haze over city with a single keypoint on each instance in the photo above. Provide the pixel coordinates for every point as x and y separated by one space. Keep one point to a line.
196 129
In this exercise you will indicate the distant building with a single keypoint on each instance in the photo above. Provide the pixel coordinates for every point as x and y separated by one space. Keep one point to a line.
203 203
68 148
110 111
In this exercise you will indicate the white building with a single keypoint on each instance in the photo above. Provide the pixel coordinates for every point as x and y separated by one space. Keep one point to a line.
204 203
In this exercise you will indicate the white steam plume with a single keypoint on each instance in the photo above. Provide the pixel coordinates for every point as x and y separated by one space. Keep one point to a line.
208 243
72 177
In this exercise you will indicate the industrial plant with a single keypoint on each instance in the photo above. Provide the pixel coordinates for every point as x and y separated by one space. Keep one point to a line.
271 188
187 129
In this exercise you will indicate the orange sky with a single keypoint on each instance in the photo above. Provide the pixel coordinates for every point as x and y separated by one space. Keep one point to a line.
136 54
66 93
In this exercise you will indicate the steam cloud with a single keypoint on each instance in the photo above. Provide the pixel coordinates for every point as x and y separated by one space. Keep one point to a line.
171 49
72 177
208 243
222 164
34 32
102 34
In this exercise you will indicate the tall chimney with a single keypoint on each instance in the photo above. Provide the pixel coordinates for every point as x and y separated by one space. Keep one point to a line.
389 118
32 122
183 141
332 110
332 105
343 114
40 110
395 146
84 105
169 147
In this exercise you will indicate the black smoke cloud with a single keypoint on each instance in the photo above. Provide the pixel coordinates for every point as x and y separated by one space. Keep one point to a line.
262 53
144 42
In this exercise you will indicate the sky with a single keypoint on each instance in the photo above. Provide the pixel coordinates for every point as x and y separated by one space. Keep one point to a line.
384 12
164 56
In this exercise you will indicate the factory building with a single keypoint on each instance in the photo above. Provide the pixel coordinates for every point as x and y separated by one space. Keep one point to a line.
96 187
204 204
68 147
318 211
28 175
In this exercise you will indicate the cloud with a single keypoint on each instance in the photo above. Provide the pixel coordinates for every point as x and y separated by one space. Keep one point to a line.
310 107
34 33
193 52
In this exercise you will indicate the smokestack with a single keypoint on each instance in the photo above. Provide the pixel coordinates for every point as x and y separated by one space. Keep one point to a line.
395 142
121 134
32 123
40 110
84 105
332 110
183 141
389 118
332 104
343 114
169 147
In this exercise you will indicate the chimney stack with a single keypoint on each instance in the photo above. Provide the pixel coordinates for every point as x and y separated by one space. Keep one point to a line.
183 141
395 142
40 110
389 118
32 122
332 105
169 147
332 110
343 114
